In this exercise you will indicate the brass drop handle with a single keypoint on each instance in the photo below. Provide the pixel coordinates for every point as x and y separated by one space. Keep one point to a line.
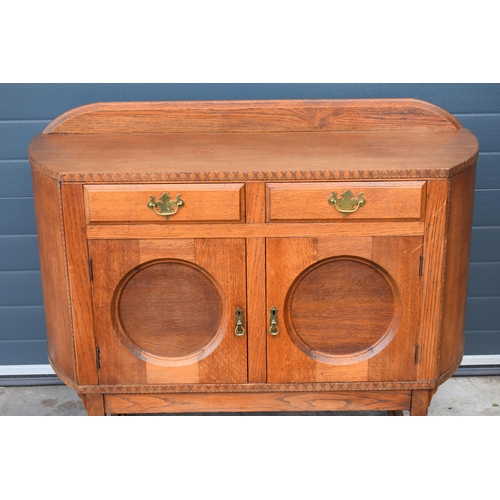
165 205
347 204
273 321
240 329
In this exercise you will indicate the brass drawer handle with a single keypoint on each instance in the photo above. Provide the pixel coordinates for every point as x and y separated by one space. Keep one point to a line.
347 203
165 205
240 329
273 320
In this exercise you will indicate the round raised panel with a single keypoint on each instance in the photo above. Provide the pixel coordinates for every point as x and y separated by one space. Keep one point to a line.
168 309
342 310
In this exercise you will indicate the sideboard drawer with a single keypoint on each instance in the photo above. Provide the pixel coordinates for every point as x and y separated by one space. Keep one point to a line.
147 203
330 200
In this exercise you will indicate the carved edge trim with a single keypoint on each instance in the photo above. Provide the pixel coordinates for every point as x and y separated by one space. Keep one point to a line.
245 388
253 176
336 175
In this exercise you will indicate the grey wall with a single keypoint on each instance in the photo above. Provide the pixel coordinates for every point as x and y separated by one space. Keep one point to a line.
25 110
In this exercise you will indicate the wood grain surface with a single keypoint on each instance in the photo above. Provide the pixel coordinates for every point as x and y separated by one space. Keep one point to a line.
202 203
112 260
115 158
383 200
94 404
248 116
256 309
420 400
433 265
271 402
78 269
457 269
151 353
392 352
340 228
53 268
370 307
169 308
340 306
224 259
400 257
286 258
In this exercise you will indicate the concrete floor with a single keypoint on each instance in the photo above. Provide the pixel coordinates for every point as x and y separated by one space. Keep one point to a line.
459 396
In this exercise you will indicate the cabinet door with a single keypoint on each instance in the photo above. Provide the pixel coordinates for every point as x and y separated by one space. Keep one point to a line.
164 310
347 308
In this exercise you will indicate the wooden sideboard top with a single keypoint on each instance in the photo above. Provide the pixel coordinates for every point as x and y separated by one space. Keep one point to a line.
253 140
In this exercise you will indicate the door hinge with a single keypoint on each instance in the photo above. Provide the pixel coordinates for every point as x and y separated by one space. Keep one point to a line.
98 358
421 267
416 353
91 271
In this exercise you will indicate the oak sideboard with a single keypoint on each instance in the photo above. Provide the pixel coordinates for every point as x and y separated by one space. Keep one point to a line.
255 256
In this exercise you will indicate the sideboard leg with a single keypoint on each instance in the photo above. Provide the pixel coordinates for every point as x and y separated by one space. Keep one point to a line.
420 401
94 404
395 413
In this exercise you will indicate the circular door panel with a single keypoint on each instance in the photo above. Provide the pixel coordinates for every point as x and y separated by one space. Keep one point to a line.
342 310
168 310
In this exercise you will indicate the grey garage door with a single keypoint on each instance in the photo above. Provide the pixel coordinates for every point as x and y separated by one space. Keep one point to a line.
25 110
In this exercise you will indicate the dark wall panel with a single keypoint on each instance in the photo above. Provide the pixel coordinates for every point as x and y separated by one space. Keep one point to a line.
484 279
486 211
46 101
23 323
481 343
16 176
488 171
20 288
483 313
485 245
27 352
16 137
18 253
17 216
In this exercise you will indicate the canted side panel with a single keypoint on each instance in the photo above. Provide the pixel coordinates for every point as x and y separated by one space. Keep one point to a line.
53 266
432 278
457 268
